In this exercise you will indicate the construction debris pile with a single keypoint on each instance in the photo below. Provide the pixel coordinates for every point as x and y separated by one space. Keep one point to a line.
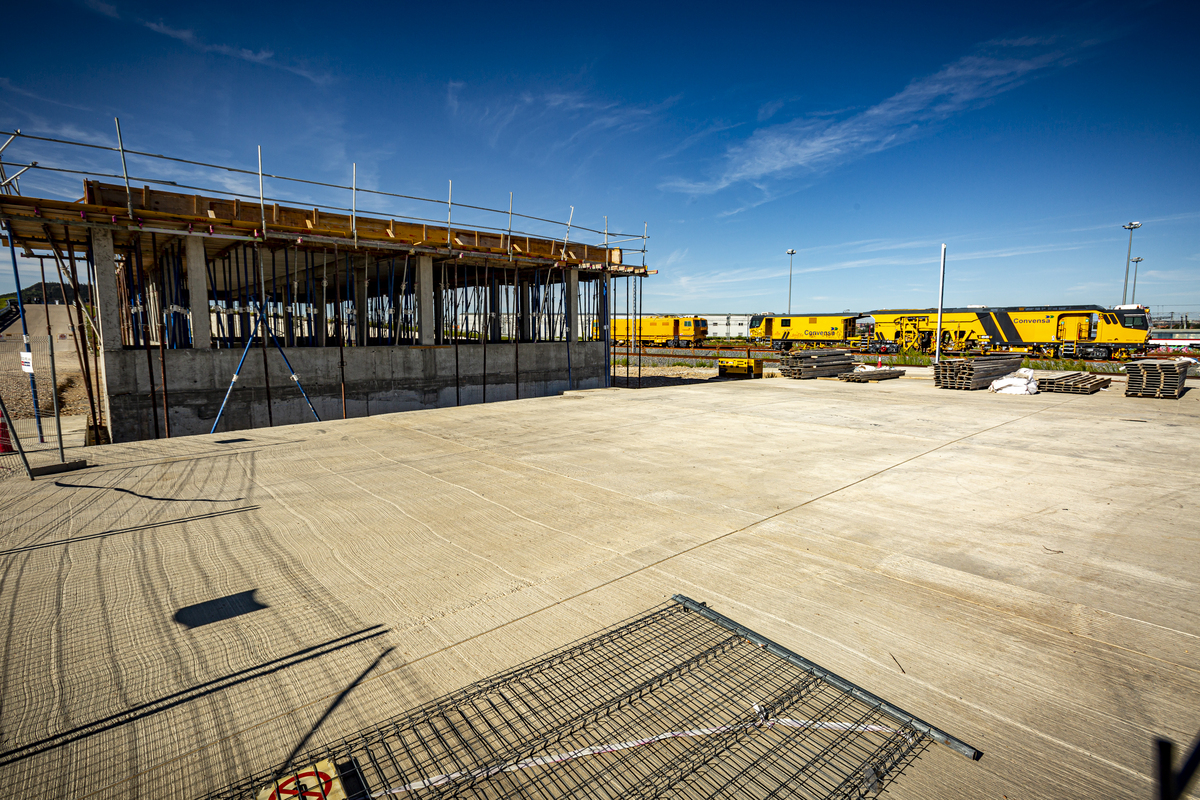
816 364
973 373
1156 378
870 375
1073 383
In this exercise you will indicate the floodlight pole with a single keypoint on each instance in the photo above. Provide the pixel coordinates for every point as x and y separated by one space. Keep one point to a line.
1133 293
1131 227
937 353
790 254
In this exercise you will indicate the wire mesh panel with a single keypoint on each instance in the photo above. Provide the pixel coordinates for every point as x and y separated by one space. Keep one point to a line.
670 704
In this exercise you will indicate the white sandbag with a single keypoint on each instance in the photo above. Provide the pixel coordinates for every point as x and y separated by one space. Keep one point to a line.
1019 382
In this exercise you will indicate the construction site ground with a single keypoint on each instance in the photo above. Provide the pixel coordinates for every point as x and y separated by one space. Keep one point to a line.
1021 571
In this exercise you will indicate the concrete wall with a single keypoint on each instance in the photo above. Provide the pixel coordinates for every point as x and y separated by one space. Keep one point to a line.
379 380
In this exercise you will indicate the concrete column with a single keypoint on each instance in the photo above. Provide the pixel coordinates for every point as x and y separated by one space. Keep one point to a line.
493 302
573 305
525 312
321 295
360 305
108 317
426 327
197 283
107 300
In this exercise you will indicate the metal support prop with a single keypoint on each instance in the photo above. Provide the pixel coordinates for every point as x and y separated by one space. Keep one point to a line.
898 714
937 355
259 321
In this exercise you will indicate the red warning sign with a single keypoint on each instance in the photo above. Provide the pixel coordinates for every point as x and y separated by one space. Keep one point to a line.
316 782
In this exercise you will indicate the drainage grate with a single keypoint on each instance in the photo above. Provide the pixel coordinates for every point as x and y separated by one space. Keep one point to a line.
679 702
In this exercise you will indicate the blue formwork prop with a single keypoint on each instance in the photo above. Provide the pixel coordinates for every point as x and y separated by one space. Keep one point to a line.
260 323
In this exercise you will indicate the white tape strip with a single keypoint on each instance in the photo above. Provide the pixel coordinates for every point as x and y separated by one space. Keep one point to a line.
598 749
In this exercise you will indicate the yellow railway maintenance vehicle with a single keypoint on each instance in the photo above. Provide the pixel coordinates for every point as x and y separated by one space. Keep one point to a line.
1058 331
662 331
806 330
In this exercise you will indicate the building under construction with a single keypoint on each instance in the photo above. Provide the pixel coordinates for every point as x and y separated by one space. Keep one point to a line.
220 311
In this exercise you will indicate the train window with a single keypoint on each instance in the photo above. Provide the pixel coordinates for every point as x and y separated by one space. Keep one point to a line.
687 322
1134 321
786 323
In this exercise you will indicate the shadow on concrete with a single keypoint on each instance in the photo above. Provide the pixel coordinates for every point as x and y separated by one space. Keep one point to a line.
146 496
222 608
116 531
337 701
188 695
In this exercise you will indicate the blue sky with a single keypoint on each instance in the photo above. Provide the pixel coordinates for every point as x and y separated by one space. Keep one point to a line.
1023 137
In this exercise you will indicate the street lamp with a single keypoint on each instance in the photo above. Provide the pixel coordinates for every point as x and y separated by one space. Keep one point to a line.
790 254
1130 227
1133 295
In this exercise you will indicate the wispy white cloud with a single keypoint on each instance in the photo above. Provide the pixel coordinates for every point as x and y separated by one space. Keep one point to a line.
107 9
768 110
452 89
9 86
263 57
815 144
553 121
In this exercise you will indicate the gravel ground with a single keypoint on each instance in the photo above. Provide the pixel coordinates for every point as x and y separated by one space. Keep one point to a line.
14 388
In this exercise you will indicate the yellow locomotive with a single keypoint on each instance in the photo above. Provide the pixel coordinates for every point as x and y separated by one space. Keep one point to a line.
1059 331
806 330
662 331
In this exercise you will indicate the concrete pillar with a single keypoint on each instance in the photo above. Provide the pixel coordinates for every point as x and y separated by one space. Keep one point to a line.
524 312
108 317
493 303
320 317
360 305
197 283
426 327
108 310
573 305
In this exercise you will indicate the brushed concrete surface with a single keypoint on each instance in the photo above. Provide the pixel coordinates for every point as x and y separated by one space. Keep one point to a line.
1020 571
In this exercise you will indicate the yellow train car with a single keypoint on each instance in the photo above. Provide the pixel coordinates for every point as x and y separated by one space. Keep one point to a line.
1059 331
806 330
660 331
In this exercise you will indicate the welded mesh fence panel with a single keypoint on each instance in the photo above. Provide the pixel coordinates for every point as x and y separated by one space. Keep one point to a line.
37 431
670 704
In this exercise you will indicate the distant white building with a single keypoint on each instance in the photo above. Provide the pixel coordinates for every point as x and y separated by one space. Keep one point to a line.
727 326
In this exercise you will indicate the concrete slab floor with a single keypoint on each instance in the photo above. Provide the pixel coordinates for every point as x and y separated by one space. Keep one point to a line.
1020 571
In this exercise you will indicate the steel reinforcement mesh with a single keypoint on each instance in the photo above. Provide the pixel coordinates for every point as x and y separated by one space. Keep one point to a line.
670 704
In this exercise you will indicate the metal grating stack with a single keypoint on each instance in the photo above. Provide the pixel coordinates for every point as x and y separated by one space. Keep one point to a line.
1156 378
1072 383
973 373
816 364
871 375
681 702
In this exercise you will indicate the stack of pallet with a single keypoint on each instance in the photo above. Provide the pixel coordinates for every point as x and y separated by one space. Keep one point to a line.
1156 378
1072 383
973 373
816 364
871 375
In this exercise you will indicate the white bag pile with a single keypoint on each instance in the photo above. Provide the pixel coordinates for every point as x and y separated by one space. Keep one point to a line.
1019 382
